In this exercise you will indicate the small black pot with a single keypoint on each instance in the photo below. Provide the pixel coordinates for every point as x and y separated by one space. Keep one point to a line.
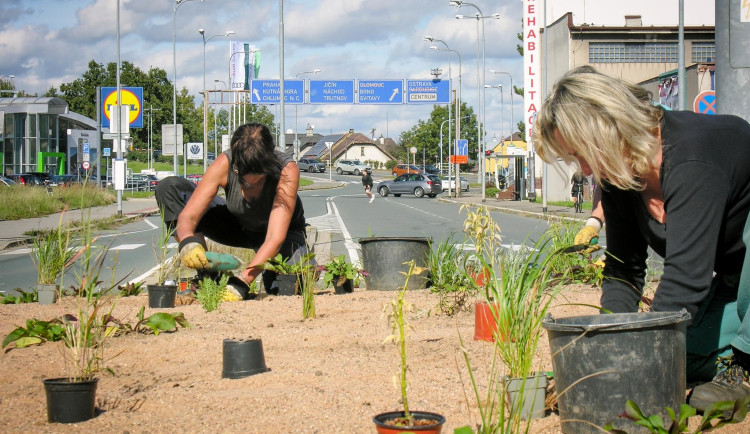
243 358
344 287
161 296
287 284
383 428
70 401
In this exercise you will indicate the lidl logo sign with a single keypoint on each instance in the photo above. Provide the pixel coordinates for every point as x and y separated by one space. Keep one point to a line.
132 96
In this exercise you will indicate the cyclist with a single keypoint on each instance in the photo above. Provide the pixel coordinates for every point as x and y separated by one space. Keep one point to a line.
577 181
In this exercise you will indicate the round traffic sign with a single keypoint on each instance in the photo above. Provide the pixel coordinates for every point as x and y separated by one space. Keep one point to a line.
86 165
705 102
413 149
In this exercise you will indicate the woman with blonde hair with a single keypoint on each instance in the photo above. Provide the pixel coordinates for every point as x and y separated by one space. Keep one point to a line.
678 182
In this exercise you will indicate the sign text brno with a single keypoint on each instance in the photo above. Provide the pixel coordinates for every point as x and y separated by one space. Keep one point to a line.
380 92
268 91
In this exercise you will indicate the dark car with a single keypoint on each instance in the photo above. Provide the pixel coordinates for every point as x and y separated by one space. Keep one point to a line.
311 165
417 184
6 181
46 178
26 179
429 168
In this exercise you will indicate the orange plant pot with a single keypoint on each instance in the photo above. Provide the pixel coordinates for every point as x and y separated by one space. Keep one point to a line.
485 326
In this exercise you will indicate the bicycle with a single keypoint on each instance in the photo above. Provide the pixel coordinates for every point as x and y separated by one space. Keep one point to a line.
578 199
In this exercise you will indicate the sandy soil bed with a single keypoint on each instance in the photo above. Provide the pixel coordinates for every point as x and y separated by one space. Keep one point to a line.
331 374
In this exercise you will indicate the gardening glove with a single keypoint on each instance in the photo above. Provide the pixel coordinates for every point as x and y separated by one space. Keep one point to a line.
589 234
193 253
236 289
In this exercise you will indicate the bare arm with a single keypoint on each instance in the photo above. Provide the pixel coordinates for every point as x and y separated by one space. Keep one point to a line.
215 177
278 221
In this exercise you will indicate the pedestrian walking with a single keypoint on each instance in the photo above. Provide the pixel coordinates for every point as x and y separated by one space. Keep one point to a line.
367 183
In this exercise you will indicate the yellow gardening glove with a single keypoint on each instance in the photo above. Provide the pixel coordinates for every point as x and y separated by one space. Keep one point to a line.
586 234
236 289
193 253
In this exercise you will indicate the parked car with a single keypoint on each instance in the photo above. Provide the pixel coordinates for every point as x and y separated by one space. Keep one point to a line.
26 179
46 178
450 181
418 184
196 178
6 181
400 169
311 165
429 168
351 166
141 182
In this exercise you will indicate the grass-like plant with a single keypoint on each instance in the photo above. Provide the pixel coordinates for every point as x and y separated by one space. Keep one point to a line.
449 278
52 252
162 250
583 266
211 293
309 275
396 312
18 202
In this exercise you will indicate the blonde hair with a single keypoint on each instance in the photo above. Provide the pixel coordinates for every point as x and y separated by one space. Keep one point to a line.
608 122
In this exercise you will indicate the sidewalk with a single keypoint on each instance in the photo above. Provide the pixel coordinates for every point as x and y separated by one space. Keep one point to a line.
12 231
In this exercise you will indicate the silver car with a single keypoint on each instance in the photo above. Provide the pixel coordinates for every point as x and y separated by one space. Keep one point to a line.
354 167
417 184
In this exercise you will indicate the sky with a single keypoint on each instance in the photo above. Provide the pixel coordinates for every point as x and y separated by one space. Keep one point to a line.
45 43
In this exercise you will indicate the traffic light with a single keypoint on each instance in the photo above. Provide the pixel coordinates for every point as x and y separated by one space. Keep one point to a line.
489 153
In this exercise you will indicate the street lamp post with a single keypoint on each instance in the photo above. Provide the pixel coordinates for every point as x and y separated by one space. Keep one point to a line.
205 93
216 137
150 111
479 16
450 78
177 4
499 86
296 134
457 180
492 71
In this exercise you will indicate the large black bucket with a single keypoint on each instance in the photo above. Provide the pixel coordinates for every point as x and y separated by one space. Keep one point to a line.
602 361
384 258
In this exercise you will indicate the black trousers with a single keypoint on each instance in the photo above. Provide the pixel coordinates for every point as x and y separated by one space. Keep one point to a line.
221 226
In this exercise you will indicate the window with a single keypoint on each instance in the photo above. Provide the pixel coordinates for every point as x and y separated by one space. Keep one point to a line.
703 52
633 52
361 151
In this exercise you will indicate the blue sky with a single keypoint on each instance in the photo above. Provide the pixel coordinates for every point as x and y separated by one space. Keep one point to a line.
45 43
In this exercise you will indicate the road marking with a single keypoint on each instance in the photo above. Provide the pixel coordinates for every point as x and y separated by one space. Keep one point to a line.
22 251
126 247
351 246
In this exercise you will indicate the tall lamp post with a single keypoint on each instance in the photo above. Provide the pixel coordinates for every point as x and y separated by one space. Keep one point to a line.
205 93
479 16
494 72
450 79
216 137
502 104
177 4
457 180
296 134
150 111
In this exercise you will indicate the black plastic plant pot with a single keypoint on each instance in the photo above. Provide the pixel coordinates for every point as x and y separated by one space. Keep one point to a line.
346 287
70 401
161 296
385 259
243 358
286 284
383 427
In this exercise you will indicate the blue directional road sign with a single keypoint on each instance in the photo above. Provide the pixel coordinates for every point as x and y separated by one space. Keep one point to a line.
380 92
331 91
268 91
462 147
428 91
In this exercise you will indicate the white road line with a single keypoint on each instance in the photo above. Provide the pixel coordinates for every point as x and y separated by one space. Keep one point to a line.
126 247
349 243
23 251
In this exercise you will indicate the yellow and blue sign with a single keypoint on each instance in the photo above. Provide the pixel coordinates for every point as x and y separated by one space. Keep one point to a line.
132 96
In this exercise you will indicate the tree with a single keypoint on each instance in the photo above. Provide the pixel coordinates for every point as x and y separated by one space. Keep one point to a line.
426 134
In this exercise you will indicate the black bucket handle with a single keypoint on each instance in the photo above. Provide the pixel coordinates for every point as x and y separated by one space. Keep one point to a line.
683 315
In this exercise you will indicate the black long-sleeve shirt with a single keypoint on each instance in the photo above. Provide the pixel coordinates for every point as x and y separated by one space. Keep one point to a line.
705 181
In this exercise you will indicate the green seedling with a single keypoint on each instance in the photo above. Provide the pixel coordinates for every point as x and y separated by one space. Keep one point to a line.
22 297
36 332
211 293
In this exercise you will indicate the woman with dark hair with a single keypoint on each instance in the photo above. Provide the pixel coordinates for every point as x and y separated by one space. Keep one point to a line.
262 210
